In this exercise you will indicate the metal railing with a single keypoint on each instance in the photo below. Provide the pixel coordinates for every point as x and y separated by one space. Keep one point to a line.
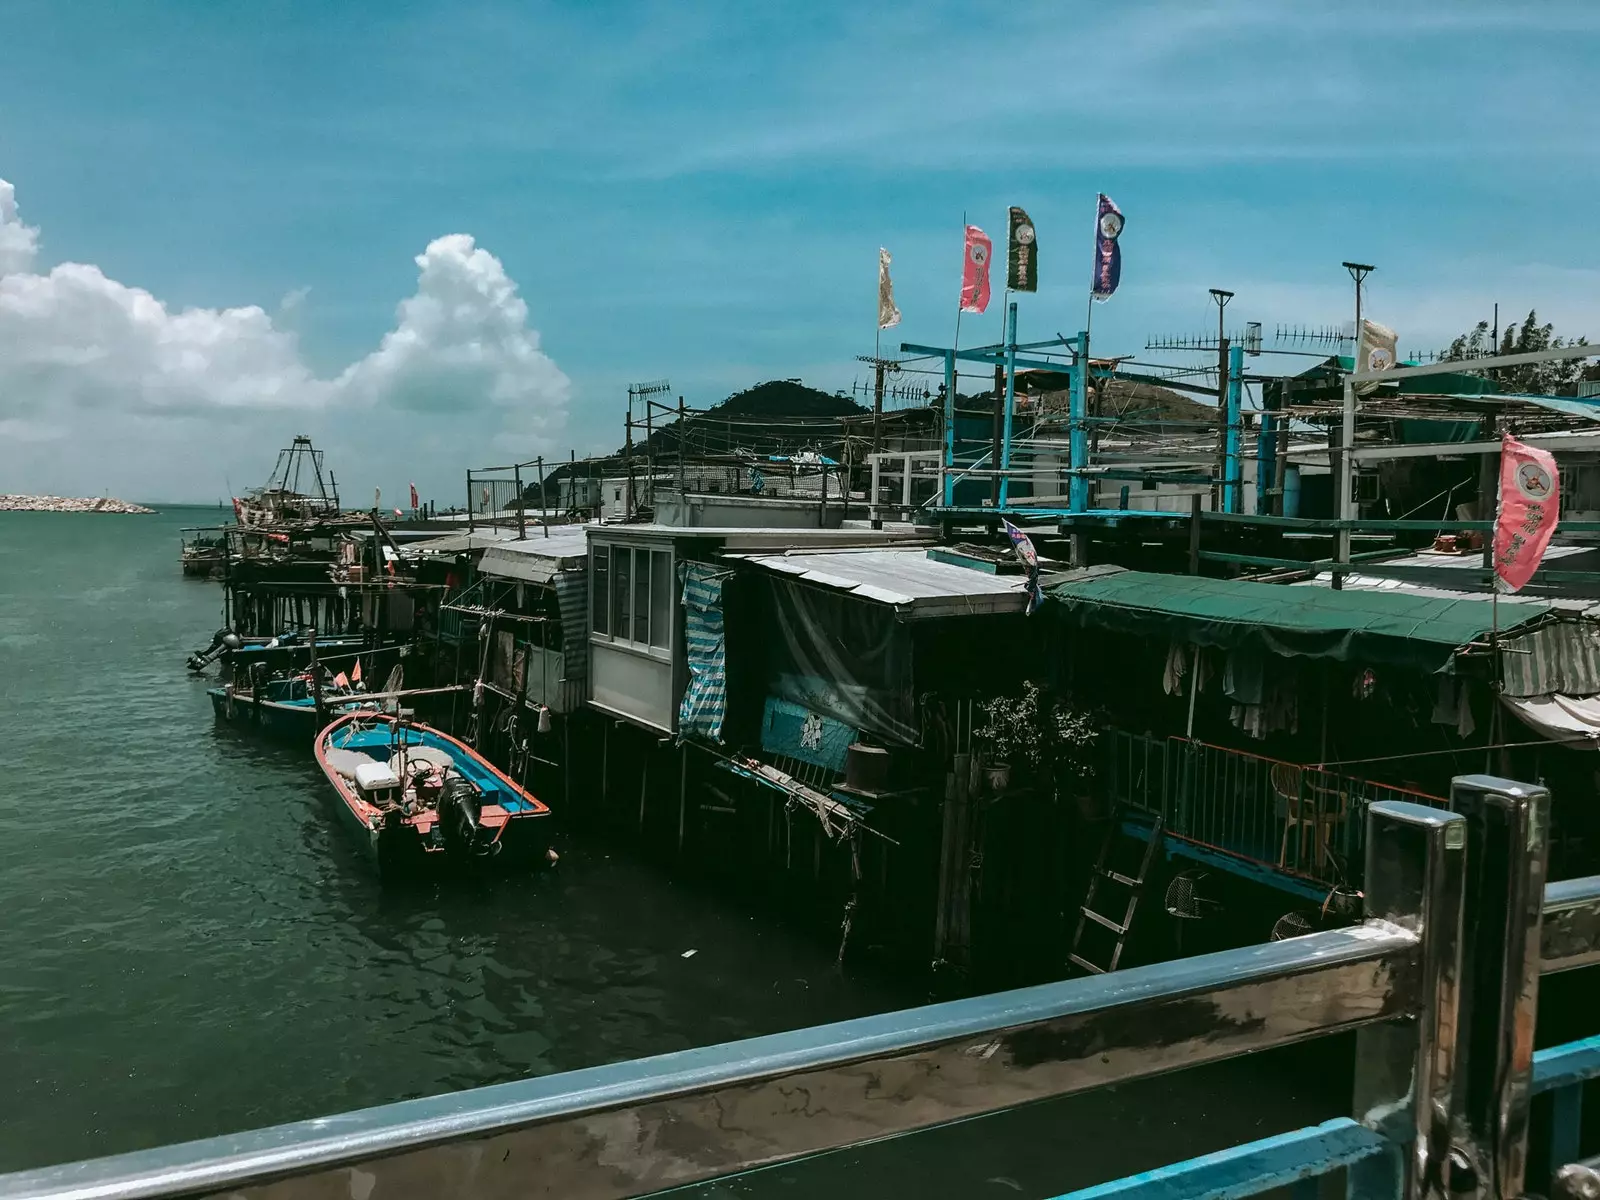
1293 818
1438 984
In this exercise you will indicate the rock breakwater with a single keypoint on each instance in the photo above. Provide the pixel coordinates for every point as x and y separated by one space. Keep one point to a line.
102 504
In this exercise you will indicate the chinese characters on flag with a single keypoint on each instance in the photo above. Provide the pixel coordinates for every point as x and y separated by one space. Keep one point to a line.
1530 506
975 271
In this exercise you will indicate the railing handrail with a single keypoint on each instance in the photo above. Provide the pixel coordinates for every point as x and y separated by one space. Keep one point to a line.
768 1099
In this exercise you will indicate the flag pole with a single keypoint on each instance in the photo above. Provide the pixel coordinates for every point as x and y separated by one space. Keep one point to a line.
956 344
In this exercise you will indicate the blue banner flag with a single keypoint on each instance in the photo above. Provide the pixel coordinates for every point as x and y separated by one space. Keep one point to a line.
1022 544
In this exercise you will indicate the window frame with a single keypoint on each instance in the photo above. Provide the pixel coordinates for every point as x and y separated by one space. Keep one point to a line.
659 563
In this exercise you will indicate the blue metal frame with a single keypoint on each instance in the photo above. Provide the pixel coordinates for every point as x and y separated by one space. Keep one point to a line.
1233 465
1564 1070
1287 1160
1011 404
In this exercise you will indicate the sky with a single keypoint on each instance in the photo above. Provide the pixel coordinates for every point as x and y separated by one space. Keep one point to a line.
436 236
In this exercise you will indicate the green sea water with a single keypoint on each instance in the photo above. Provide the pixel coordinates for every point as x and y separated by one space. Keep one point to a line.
190 944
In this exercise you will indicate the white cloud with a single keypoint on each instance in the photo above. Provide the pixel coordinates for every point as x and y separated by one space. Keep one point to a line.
18 242
85 357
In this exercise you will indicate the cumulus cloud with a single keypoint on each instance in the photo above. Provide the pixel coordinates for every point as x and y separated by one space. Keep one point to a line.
78 348
18 242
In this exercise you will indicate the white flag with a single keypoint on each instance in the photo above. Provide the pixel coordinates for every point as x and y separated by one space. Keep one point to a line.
888 314
1375 350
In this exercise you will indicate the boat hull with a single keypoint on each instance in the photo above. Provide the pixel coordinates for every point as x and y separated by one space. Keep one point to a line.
511 831
286 722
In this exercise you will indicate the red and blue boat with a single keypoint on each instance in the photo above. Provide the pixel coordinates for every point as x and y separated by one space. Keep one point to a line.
418 800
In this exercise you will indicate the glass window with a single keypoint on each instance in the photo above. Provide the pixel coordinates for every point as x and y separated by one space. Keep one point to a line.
621 590
600 590
661 595
641 597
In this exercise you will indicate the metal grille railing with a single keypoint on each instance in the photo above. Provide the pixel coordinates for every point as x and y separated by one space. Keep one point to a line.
1291 817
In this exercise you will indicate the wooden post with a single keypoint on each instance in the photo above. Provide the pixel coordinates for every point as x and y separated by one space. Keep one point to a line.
316 682
683 791
1194 534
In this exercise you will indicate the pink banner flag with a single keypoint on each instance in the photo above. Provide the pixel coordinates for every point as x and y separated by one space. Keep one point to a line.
1530 506
975 271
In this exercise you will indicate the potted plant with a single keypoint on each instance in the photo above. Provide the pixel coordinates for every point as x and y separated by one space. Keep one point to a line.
1036 736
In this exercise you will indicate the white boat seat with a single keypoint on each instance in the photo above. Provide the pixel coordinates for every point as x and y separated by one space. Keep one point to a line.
370 776
345 762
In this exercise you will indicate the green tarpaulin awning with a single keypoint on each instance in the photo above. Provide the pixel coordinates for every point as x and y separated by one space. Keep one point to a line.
1392 627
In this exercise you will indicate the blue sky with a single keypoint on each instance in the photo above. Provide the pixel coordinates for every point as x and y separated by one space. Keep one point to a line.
698 191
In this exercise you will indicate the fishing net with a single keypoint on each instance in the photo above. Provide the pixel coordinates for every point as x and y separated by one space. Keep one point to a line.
1291 924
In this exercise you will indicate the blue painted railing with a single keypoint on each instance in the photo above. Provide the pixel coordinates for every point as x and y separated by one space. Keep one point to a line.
1265 817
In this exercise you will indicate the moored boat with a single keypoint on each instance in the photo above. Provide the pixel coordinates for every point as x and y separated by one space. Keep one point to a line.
416 797
284 708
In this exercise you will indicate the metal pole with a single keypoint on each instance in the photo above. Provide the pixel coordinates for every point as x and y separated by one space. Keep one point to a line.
1078 437
949 486
1219 488
683 487
544 517
1234 467
522 503
469 501
877 403
627 461
1011 397
1346 506
1507 825
1405 1070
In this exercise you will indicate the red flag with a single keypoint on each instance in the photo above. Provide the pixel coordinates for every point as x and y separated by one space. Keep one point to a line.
341 680
1530 506
355 674
414 503
975 271
398 513
238 511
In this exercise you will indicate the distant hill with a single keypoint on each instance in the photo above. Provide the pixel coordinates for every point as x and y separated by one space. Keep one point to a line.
786 398
738 423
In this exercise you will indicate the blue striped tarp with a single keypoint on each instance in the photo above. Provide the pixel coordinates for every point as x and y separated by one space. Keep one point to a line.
705 699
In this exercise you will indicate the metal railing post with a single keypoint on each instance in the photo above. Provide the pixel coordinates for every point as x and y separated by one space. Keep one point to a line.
1405 1071
1507 824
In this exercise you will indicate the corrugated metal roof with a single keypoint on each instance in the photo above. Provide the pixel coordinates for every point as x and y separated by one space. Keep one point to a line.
457 543
537 558
909 580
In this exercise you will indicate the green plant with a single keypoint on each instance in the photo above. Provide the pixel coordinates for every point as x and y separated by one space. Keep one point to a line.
1039 734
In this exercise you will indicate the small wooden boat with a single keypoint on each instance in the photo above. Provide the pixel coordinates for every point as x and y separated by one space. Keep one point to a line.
416 797
284 707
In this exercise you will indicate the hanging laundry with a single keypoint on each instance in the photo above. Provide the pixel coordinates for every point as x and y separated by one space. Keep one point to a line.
1365 684
1453 706
1244 677
1464 723
1447 704
1177 665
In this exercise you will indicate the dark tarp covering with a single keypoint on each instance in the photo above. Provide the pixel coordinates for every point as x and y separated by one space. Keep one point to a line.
846 658
1394 627
1561 657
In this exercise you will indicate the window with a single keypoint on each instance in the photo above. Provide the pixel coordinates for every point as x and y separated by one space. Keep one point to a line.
600 590
621 593
661 591
641 597
633 597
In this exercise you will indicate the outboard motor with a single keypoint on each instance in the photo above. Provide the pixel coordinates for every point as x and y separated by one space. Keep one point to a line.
221 641
459 815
